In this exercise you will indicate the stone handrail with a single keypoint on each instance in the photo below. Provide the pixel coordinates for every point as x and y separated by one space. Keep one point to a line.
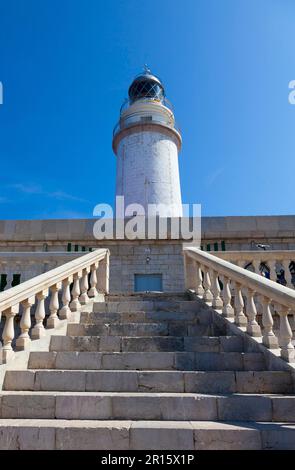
272 259
37 289
236 293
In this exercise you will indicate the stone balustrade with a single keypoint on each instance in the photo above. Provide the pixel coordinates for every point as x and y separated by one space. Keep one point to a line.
237 294
20 299
279 266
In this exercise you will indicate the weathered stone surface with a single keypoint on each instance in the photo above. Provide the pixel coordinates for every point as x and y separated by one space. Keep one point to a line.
253 361
170 316
95 435
60 380
164 406
19 380
133 317
264 382
77 406
27 405
99 318
199 330
283 408
231 343
201 344
150 344
112 381
210 382
123 306
139 360
84 343
277 436
218 361
161 435
76 329
223 436
26 434
110 343
166 381
244 408
78 360
139 329
177 328
42 360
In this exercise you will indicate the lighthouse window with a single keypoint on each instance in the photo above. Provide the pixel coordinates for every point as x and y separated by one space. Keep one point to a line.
145 88
146 118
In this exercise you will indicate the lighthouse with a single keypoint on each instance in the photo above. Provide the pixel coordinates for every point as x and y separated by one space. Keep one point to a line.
147 142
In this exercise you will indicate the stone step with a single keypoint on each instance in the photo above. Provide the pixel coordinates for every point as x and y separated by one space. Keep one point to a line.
146 406
169 328
139 317
147 296
147 305
46 434
146 360
150 381
146 344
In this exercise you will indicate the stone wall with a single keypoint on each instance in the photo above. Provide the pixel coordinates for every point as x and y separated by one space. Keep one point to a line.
130 257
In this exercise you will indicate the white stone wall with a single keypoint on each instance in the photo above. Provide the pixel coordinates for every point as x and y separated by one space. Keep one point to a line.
147 170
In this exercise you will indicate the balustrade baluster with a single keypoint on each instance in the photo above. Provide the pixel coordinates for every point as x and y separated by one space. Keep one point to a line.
38 331
75 304
93 280
199 289
272 270
24 340
66 298
103 275
208 296
227 310
8 333
199 281
84 299
285 335
253 329
216 301
240 317
288 275
269 339
53 319
190 272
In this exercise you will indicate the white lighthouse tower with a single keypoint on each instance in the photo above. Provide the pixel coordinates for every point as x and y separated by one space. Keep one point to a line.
146 142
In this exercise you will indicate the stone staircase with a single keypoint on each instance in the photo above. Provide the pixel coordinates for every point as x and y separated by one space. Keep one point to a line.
148 372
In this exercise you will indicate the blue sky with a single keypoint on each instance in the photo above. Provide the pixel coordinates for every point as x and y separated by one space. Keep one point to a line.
66 65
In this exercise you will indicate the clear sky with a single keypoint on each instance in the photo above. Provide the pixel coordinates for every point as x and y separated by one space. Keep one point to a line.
66 65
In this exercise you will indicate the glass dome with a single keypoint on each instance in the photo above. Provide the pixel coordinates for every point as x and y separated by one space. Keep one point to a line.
146 85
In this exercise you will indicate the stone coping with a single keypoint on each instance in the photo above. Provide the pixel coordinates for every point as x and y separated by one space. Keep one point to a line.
68 230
